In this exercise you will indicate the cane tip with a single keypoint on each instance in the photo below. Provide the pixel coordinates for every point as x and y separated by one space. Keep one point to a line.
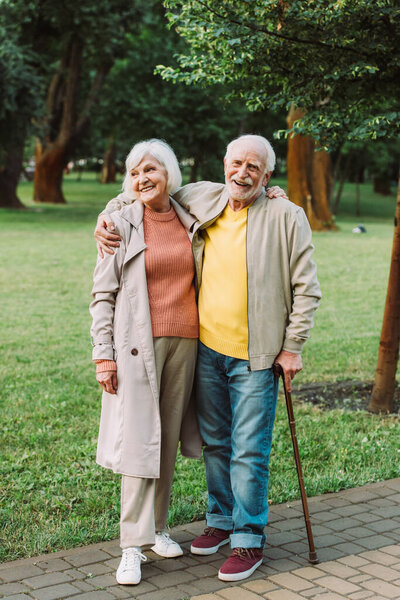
313 558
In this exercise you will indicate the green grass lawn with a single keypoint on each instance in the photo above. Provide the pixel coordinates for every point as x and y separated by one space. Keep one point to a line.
52 494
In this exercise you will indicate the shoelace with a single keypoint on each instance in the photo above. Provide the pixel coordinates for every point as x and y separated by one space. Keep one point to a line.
210 530
165 538
131 557
244 553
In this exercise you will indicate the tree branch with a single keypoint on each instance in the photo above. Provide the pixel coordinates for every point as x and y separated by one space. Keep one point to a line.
280 36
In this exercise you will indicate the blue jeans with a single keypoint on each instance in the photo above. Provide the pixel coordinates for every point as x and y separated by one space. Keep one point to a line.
236 413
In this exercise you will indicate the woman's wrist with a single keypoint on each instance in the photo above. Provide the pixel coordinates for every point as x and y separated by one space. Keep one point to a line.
105 365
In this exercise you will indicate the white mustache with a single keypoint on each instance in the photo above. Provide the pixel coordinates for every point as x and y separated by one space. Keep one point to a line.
246 180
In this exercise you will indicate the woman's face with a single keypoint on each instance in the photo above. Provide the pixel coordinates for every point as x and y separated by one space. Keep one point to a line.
149 182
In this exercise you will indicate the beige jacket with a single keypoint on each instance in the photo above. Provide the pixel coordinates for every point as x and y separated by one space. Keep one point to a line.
282 287
130 431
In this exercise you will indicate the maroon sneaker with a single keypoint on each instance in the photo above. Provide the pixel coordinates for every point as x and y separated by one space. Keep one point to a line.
211 540
241 564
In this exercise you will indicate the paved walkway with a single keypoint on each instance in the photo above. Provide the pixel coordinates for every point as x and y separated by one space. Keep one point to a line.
357 536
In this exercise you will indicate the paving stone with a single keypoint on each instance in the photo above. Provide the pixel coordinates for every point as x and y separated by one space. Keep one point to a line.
368 517
143 588
375 541
328 596
381 572
170 579
120 591
210 584
282 595
55 592
206 597
83 586
284 564
347 511
353 561
103 581
395 550
95 569
338 569
12 588
96 595
388 590
189 589
325 554
46 580
288 580
358 532
359 578
344 523
87 558
290 524
12 574
379 556
337 585
308 572
349 548
284 537
18 597
238 593
260 586
361 595
55 564
169 565
298 547
312 592
202 571
388 512
324 541
75 574
171 593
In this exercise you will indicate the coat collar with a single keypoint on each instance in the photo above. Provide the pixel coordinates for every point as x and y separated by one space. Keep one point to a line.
133 213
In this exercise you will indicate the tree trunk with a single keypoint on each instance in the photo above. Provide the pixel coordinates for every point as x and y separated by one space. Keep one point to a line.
50 164
385 376
109 169
343 176
358 197
382 186
9 178
194 170
309 177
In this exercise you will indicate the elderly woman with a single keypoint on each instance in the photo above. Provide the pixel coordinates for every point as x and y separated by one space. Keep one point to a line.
144 335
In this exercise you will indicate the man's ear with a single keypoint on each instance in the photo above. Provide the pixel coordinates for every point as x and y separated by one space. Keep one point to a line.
267 177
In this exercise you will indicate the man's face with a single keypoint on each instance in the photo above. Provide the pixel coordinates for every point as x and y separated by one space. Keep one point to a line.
245 173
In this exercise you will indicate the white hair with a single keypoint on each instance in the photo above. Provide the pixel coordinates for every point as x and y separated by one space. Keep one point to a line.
270 164
162 152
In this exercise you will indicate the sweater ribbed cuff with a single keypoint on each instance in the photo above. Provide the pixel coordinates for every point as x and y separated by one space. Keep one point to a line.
105 365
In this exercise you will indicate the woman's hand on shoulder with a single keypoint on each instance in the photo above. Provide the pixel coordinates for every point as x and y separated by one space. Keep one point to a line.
108 381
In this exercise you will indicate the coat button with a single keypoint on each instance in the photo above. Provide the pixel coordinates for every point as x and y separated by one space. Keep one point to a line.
134 351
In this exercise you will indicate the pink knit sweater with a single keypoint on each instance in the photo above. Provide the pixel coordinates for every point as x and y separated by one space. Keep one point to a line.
170 276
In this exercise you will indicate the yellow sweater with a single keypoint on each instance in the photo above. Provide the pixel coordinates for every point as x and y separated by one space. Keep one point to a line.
223 291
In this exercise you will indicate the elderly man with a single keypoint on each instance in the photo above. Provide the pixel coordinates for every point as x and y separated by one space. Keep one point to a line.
257 296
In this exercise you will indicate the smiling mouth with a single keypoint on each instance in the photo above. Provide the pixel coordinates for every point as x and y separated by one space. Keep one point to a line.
147 189
241 184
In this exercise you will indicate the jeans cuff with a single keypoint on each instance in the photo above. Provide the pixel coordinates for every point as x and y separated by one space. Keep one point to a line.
219 521
247 540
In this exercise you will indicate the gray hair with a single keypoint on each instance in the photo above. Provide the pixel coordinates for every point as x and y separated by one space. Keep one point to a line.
162 152
270 164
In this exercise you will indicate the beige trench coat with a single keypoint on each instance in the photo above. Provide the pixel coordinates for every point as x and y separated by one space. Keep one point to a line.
130 430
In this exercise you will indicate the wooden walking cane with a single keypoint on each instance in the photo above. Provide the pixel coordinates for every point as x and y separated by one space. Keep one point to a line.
312 556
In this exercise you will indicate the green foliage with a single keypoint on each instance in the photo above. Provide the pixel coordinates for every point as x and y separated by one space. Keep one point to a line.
338 59
52 494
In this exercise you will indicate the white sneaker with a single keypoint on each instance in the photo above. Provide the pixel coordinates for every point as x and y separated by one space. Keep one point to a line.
166 547
128 572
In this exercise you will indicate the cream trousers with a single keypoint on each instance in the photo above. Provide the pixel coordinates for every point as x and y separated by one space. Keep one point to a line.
144 502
